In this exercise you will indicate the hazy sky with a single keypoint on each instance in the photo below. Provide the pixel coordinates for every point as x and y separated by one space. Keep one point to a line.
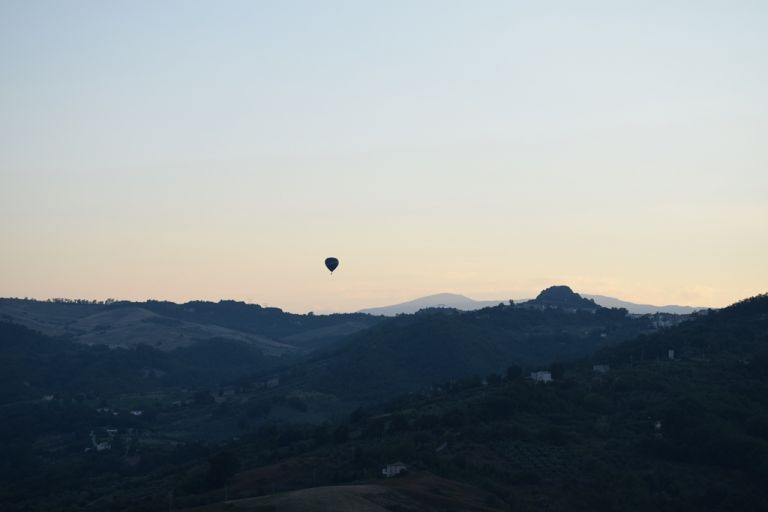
181 150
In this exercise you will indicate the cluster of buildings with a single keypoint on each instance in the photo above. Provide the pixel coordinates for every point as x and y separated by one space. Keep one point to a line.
394 469
541 376
103 441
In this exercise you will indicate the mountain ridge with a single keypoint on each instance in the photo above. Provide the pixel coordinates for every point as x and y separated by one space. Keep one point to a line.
167 325
465 303
451 300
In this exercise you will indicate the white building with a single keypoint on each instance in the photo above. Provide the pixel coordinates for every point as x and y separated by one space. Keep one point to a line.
100 444
394 469
541 376
657 430
600 368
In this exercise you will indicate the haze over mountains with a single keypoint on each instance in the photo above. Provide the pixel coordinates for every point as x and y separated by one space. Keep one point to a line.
168 326
464 303
448 300
324 353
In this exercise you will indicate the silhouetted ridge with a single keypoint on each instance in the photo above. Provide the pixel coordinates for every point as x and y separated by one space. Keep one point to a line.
563 296
752 305
737 332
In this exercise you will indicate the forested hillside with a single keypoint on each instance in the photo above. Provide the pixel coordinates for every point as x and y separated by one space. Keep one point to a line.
641 431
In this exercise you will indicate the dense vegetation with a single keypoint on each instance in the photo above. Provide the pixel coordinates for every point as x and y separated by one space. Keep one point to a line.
647 433
33 365
652 433
269 321
413 352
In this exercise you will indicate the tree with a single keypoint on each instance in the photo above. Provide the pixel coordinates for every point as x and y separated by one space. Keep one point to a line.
203 397
358 415
321 435
341 434
399 423
221 467
557 370
514 372
493 378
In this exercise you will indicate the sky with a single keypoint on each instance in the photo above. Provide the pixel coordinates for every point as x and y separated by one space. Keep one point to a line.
186 150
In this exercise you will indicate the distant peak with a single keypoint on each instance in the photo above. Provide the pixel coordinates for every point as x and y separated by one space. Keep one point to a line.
560 291
444 296
562 295
447 300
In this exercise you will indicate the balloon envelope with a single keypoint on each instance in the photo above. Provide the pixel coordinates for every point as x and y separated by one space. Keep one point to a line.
331 263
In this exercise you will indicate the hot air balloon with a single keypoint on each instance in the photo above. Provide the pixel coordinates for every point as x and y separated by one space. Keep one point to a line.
331 264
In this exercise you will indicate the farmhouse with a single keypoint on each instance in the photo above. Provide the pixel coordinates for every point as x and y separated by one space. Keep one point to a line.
541 376
100 444
394 469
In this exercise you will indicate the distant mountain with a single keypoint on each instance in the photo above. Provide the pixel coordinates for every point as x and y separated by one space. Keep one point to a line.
448 300
641 309
561 296
464 303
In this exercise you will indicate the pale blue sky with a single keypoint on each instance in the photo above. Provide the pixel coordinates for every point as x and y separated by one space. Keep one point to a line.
222 149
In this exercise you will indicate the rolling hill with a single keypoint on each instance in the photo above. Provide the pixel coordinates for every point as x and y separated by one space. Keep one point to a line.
168 326
645 433
413 352
650 434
